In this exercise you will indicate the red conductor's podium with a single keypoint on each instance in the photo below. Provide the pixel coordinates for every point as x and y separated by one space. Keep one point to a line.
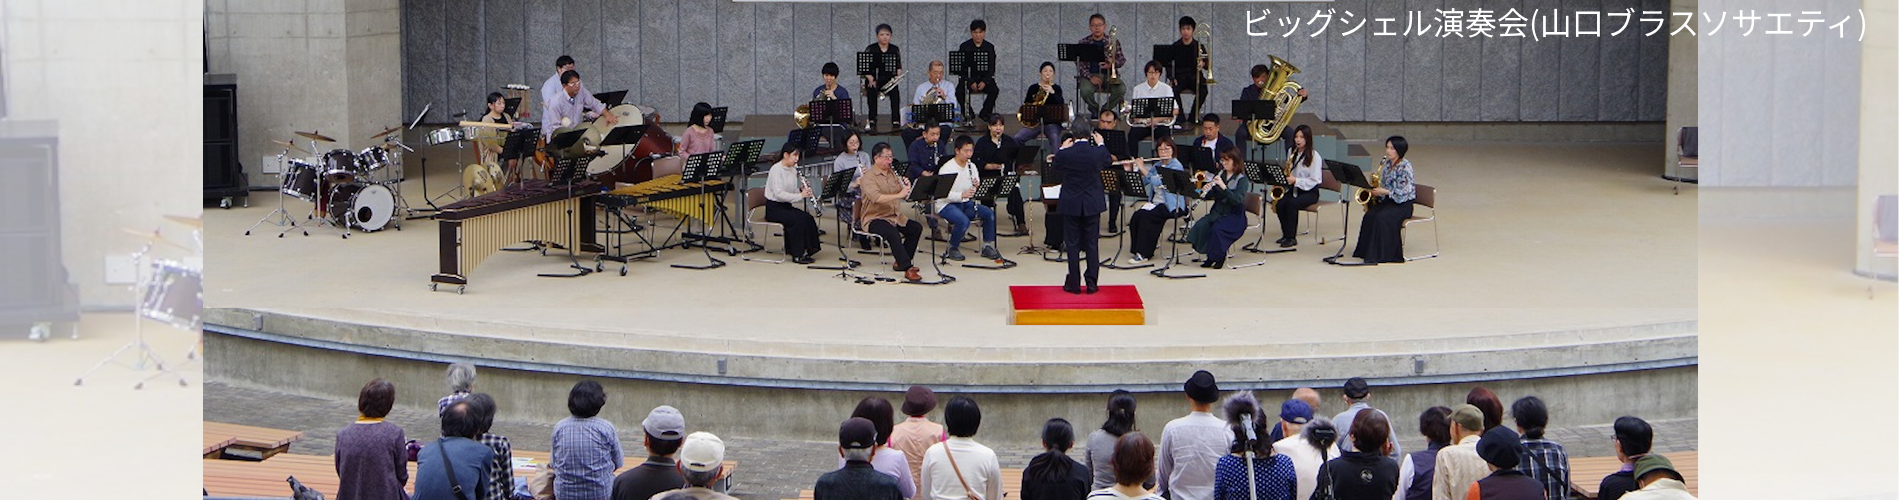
1049 305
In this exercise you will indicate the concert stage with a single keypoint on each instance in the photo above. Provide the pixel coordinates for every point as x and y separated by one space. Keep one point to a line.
1568 270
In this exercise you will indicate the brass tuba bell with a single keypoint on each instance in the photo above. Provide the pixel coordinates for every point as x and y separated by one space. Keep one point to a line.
1286 97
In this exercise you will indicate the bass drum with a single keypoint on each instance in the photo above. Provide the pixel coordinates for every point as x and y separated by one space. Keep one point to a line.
369 207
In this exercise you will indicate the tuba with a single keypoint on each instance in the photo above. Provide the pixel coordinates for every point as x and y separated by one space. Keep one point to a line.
1113 50
1029 120
801 115
1285 94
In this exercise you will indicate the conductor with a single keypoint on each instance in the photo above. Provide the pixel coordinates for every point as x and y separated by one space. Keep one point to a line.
1079 164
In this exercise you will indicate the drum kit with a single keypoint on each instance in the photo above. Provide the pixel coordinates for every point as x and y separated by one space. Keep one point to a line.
168 291
347 190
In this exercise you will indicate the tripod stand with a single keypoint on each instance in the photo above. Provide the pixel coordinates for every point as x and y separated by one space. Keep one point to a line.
1268 174
281 213
1177 181
924 191
138 345
1130 184
1350 175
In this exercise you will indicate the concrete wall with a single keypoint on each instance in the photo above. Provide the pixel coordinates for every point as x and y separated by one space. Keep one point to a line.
759 57
326 65
120 77
1779 111
1010 419
1682 103
1879 170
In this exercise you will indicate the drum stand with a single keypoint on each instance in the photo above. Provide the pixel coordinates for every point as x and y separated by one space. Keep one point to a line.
138 345
280 213
461 153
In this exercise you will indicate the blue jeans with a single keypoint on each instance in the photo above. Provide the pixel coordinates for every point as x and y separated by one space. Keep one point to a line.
959 215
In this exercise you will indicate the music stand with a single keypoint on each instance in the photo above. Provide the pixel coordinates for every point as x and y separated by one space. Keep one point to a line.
1131 185
1245 110
719 120
832 114
611 99
1347 174
924 191
1046 114
1081 52
1117 143
1150 108
519 147
701 168
1266 175
931 114
739 156
1178 182
970 65
880 67
986 192
1181 60
1196 158
834 186
510 104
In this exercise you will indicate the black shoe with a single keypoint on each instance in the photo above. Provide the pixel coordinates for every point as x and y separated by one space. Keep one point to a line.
1093 289
804 259
954 254
1288 242
1072 289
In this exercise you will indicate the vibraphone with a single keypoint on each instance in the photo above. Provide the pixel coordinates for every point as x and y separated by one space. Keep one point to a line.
690 201
532 211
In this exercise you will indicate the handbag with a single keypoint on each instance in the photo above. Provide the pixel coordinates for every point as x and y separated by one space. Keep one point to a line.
953 468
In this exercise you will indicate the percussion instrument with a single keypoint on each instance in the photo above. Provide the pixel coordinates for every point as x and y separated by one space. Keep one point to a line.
371 159
299 180
364 206
174 295
480 179
313 135
446 135
668 195
386 133
472 229
287 145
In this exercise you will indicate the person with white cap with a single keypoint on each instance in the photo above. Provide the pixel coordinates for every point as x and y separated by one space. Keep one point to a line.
701 461
665 431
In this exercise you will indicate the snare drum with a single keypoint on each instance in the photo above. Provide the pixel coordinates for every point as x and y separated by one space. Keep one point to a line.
175 295
299 180
447 135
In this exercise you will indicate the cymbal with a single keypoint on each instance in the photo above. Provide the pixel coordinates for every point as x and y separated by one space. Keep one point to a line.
189 221
154 238
391 130
287 144
313 135
466 123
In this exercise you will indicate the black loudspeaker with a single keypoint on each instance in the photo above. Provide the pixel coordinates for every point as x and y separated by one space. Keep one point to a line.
224 174
34 288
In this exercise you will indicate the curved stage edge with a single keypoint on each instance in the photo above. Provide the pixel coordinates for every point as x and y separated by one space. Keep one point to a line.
1586 375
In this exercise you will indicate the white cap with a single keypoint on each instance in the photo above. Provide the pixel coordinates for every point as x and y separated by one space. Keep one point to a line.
702 452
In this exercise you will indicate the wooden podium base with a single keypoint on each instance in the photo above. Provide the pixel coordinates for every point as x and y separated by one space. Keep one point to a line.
1049 305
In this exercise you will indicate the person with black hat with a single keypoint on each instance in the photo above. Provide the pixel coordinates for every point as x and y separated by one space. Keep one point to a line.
1366 474
915 434
1458 465
1500 448
1357 392
857 443
1659 479
1191 446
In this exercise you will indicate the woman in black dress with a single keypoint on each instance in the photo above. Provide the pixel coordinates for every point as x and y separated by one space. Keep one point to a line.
1379 239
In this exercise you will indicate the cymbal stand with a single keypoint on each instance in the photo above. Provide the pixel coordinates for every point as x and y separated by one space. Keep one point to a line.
282 215
138 345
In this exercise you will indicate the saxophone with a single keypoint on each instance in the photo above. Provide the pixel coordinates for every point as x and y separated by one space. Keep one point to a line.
1364 196
1286 97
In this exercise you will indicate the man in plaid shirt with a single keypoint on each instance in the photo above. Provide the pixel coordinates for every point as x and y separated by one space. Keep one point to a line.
1092 77
586 447
501 482
1543 459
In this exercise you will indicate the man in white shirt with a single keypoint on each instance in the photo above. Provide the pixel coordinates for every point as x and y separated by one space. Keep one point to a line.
959 209
551 89
1459 465
1153 87
981 473
1191 446
944 92
1309 446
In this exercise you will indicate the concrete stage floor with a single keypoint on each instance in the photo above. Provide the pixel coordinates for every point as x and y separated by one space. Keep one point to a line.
1545 246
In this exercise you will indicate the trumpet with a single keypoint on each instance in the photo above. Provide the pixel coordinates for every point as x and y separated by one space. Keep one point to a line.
891 86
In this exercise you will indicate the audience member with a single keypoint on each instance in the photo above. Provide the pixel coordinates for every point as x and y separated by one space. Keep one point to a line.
1458 465
858 479
1631 441
916 433
1134 462
1192 445
586 447
369 453
888 460
1053 475
454 467
1367 472
662 433
1501 449
1544 460
960 468
1415 471
1356 394
1272 475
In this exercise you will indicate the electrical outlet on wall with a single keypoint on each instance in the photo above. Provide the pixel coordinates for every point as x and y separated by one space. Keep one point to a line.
271 164
121 270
